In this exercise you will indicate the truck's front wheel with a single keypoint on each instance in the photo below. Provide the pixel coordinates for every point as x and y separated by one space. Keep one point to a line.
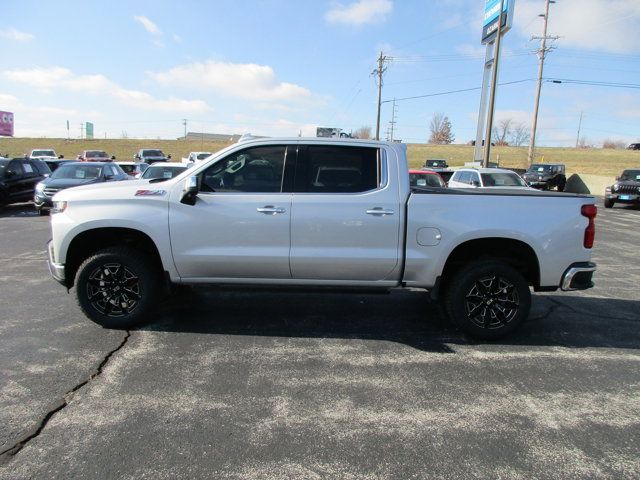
117 287
488 299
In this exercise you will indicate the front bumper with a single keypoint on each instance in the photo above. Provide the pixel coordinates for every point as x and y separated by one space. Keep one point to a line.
42 201
578 276
537 184
56 269
623 197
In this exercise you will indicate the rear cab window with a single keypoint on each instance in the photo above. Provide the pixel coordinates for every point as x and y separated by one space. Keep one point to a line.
338 169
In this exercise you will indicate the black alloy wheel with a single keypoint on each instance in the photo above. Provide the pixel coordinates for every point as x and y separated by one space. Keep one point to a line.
117 287
488 299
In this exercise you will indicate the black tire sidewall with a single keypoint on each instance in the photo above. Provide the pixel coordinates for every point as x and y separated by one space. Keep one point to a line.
140 266
608 203
462 282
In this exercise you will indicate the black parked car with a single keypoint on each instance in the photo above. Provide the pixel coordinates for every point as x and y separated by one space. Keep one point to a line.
75 174
149 155
634 146
625 190
19 177
546 176
53 164
435 163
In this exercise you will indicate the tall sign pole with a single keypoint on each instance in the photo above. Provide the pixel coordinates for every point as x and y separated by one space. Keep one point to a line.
492 94
498 18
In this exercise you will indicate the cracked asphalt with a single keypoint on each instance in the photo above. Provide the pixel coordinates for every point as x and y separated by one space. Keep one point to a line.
270 385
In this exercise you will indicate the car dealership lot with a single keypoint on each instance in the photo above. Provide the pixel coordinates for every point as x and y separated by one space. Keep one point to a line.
262 384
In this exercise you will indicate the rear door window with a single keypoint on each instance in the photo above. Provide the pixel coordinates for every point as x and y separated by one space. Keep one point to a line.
16 168
338 169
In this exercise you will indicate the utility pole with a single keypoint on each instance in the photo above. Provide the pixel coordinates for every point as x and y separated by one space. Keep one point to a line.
184 122
579 127
379 72
392 123
542 52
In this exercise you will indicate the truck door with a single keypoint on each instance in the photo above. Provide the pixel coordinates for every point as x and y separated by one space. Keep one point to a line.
239 225
345 216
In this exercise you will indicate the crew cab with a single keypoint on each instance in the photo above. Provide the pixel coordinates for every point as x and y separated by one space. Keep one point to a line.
44 154
297 212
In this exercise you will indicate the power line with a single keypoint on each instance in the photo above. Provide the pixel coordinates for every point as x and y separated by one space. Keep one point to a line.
455 91
593 83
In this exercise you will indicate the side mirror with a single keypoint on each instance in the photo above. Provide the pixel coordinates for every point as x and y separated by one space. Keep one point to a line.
475 183
113 157
617 179
60 156
79 157
10 174
169 156
136 156
108 177
190 191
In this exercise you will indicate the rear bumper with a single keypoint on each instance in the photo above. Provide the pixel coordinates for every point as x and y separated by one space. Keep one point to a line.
56 269
578 276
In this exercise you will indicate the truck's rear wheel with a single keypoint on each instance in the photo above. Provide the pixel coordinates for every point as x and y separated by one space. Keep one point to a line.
117 287
488 299
608 203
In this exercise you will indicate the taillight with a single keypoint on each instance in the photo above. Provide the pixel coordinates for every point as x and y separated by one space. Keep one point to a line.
589 211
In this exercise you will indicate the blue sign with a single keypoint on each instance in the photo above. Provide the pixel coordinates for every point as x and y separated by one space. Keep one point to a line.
491 15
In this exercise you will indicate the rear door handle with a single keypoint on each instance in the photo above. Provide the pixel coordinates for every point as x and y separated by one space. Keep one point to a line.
379 211
271 210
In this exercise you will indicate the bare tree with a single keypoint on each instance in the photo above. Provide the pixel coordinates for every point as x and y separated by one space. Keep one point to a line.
502 132
363 132
613 144
440 129
124 135
520 135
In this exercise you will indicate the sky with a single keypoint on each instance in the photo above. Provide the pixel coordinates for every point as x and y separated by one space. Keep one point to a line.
285 67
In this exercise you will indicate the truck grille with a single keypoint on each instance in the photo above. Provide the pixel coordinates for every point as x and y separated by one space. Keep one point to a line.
50 192
627 189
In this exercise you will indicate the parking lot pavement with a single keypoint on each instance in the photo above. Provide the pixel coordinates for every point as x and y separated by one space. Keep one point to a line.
259 384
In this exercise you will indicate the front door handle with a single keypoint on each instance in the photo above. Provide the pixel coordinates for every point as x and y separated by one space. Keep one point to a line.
271 210
379 211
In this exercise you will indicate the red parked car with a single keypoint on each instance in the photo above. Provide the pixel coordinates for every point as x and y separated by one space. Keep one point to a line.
426 178
95 156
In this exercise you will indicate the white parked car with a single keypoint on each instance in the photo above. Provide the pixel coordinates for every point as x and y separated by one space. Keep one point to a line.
163 171
318 213
196 157
486 178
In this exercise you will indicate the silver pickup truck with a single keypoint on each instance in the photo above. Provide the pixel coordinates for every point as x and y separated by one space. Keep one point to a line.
317 213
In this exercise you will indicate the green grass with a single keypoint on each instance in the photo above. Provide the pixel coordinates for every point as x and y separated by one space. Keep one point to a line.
594 161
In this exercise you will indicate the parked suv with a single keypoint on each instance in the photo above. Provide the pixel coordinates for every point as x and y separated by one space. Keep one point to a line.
625 190
74 174
18 179
95 156
546 176
435 163
634 146
151 155
486 178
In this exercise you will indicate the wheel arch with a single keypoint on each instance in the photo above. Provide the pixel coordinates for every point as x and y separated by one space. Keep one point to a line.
88 242
515 253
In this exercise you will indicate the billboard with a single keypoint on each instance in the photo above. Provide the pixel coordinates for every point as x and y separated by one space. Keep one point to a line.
6 124
88 130
491 15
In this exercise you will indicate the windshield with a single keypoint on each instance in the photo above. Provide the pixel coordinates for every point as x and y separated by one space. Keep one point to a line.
80 172
162 172
424 180
43 153
630 175
152 153
96 154
502 180
435 163
540 168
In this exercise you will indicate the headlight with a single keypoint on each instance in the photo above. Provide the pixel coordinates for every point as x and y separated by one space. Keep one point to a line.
614 188
59 207
40 187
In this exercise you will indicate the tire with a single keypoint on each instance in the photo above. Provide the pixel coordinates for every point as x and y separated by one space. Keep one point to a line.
117 287
608 203
488 299
561 184
42 212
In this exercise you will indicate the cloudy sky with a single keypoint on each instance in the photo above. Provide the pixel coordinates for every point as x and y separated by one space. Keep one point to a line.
278 67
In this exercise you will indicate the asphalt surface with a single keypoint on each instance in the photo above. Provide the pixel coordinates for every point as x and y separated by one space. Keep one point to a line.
272 385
